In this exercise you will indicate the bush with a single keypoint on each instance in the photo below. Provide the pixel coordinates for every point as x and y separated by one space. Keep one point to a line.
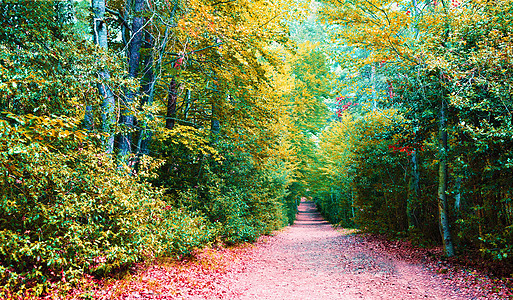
69 209
241 200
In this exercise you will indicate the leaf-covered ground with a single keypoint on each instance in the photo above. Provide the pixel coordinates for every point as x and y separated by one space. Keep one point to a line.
310 260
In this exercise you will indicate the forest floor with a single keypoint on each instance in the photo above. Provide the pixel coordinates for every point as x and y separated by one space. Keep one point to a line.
311 260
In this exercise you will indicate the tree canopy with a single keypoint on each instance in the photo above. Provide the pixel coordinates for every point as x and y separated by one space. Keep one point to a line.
139 129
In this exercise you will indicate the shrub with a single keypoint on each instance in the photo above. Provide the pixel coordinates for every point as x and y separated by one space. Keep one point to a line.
69 209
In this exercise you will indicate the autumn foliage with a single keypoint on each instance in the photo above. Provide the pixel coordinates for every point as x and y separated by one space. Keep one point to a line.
429 159
111 158
149 129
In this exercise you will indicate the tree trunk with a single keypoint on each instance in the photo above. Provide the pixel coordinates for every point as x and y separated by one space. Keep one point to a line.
108 112
187 104
215 126
413 197
88 118
66 12
457 198
171 104
134 58
373 82
414 193
136 39
108 104
442 185
148 87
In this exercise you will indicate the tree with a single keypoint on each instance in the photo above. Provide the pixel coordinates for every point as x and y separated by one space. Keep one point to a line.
108 103
392 32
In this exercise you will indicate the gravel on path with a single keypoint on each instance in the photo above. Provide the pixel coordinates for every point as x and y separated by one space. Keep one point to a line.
309 260
312 260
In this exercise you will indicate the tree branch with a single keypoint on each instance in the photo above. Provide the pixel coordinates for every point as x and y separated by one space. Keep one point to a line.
120 18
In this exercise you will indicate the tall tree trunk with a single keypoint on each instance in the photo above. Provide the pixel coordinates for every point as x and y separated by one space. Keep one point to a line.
108 112
413 196
171 104
108 104
148 86
136 39
134 58
414 188
442 185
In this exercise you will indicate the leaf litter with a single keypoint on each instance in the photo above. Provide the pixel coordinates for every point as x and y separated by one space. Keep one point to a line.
310 260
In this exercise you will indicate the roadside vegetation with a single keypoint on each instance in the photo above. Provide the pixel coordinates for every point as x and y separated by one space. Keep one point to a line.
132 131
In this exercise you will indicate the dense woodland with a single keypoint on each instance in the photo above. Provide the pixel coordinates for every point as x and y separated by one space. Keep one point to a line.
133 130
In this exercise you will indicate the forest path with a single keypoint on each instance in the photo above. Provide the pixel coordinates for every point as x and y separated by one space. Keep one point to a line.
311 260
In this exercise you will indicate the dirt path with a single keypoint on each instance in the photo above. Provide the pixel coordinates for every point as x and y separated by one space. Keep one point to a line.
311 260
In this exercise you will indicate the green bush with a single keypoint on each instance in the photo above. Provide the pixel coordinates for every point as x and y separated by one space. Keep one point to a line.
241 200
67 209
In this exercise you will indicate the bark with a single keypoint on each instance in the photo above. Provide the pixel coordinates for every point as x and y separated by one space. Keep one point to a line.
215 126
442 185
413 198
373 81
171 104
457 202
99 26
66 12
148 87
134 58
125 137
414 192
88 117
108 103
148 84
187 104
108 110
136 39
